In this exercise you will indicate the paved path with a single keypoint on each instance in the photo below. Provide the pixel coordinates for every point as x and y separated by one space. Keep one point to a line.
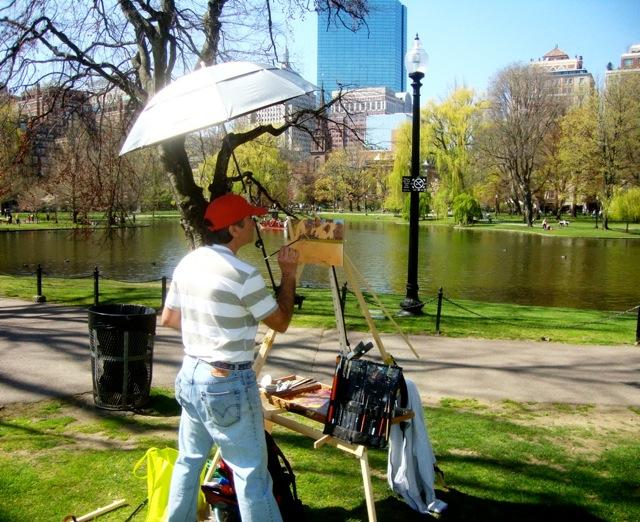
44 353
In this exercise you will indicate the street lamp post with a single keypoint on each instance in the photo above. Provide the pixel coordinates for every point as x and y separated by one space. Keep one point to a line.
416 63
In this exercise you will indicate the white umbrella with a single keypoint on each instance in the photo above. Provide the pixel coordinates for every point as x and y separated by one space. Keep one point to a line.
210 96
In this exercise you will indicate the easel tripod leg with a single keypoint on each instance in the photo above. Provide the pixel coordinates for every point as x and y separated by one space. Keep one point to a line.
366 482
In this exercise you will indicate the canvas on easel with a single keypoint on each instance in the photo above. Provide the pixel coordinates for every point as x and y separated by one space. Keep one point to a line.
319 241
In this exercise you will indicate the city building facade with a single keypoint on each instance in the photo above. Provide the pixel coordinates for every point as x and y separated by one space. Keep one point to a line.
629 64
293 139
631 59
372 56
349 117
46 114
570 77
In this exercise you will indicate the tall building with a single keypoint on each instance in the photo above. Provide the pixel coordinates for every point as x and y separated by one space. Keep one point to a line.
350 118
629 64
570 77
631 59
46 114
294 139
372 56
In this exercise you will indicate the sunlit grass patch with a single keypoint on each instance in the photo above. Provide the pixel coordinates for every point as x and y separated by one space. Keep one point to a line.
506 460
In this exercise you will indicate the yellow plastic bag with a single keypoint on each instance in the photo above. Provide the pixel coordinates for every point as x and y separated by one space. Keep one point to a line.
159 464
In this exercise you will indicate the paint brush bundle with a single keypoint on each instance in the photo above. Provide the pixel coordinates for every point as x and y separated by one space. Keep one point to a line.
293 385
362 402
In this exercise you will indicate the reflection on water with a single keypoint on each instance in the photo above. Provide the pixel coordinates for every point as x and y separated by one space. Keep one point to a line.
470 263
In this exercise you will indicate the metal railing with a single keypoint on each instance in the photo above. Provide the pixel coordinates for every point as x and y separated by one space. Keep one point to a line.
96 275
440 300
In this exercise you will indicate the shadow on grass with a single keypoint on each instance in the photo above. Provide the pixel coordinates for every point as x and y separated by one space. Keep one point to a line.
462 507
35 428
162 403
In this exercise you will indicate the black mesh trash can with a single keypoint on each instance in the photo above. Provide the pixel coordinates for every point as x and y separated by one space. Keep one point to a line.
121 341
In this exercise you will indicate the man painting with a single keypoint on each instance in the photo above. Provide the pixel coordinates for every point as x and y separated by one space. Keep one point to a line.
217 301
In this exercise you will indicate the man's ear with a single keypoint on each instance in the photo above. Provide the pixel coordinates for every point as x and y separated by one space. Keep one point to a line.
233 230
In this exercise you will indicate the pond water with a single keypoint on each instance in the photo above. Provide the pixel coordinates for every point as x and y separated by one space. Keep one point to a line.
468 263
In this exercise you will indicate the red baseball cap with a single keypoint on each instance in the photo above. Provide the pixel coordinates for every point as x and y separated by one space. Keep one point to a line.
229 209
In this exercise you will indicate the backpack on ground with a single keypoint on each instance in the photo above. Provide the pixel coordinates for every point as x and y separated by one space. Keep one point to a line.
220 493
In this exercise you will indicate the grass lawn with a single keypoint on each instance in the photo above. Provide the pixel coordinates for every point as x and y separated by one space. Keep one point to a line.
64 221
502 461
581 226
459 318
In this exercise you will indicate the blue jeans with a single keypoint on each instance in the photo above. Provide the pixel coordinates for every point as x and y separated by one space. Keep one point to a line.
225 411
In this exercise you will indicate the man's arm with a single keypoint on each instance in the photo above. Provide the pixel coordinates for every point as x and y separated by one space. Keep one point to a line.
280 319
171 318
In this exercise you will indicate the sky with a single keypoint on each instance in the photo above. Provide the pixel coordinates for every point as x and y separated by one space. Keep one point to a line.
469 41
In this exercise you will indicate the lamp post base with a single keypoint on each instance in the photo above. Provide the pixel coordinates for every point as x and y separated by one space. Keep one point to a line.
411 307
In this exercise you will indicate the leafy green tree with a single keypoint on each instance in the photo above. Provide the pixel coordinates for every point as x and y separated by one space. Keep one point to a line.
263 157
395 198
523 110
347 172
423 206
377 177
446 139
465 209
448 128
600 140
617 117
577 151
441 203
625 206
329 189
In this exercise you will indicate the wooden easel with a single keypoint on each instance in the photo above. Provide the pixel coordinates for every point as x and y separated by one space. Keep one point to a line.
275 415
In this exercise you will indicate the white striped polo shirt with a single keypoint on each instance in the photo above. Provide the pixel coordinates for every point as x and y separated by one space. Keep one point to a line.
221 300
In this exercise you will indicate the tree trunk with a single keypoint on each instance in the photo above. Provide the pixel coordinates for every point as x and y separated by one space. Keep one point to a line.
528 208
189 197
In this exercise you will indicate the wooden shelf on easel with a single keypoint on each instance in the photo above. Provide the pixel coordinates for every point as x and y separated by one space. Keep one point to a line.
313 404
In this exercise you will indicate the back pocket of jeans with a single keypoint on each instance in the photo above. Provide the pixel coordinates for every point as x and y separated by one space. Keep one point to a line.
223 408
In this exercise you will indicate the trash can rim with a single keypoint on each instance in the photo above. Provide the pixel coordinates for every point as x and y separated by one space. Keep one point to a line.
148 310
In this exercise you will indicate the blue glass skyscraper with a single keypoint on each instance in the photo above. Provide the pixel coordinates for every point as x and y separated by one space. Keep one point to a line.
373 56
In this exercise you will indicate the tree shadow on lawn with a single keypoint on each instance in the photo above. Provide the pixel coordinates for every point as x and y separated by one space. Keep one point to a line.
462 507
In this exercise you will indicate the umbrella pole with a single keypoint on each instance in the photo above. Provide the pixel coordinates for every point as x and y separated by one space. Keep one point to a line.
260 245
259 242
